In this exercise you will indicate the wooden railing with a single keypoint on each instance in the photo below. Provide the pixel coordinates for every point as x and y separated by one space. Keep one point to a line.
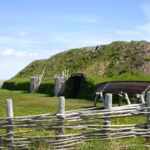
66 129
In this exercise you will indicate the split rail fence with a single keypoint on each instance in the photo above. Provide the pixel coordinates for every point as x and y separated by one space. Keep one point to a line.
67 129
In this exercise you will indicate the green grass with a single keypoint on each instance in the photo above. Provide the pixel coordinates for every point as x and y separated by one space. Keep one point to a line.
27 104
122 144
116 61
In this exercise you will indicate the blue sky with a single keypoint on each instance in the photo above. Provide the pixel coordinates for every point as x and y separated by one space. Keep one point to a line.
35 29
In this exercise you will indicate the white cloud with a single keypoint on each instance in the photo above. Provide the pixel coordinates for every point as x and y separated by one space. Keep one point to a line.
16 53
12 60
7 52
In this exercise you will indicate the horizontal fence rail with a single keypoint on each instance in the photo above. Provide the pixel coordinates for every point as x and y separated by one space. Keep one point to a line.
67 129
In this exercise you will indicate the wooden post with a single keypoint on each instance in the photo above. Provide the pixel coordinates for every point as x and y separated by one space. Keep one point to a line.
142 98
10 115
35 82
107 105
108 101
148 105
61 105
127 98
61 114
147 139
59 85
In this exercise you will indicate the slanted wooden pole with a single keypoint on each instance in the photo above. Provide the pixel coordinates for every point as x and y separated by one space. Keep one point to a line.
10 115
127 98
142 98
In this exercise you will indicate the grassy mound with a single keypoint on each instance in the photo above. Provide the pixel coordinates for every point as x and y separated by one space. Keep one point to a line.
115 61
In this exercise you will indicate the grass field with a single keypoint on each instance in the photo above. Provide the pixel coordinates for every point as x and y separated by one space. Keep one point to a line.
27 104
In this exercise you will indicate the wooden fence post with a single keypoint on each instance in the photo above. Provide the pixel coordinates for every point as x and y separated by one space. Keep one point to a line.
107 105
148 105
61 105
147 139
61 114
10 115
108 101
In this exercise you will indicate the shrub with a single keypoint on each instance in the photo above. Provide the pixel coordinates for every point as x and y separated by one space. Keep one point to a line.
16 85
47 88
